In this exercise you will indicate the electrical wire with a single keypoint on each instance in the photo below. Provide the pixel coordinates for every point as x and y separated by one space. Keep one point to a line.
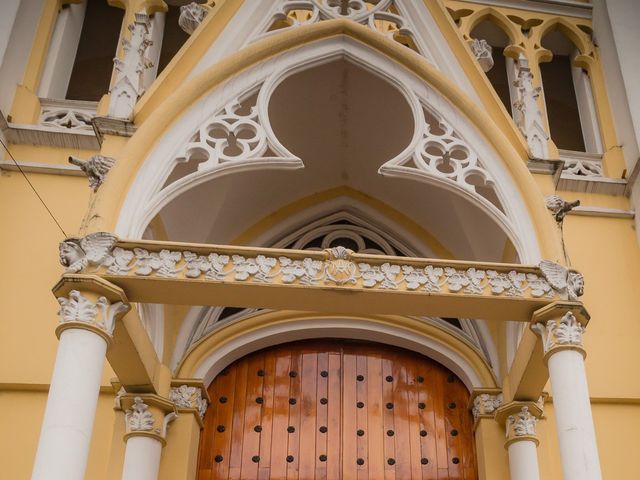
33 188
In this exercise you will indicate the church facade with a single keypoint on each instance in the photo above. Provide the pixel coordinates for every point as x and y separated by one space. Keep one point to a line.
319 239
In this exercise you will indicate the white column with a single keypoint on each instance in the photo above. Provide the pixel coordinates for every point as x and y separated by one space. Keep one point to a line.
147 418
574 423
523 460
65 437
142 458
562 343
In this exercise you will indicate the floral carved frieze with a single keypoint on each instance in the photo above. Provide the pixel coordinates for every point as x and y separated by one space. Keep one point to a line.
564 333
101 254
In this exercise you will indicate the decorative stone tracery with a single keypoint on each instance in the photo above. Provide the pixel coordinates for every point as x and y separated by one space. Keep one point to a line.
442 155
381 16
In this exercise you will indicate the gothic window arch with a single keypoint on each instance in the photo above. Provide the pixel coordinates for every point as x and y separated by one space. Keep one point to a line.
569 100
488 43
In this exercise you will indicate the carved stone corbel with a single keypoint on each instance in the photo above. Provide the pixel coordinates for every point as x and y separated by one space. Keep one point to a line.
190 395
559 207
96 168
191 16
482 51
484 403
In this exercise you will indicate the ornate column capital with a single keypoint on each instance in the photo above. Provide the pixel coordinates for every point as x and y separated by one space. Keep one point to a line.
561 326
90 304
519 420
190 395
146 415
484 403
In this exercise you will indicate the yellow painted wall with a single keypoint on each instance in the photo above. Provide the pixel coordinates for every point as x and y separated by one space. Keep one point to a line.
604 249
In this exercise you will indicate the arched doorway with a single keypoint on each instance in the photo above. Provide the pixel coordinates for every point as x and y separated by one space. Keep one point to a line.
337 409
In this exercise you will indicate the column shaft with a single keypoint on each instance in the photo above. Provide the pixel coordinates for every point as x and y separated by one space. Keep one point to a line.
572 408
142 458
65 437
523 460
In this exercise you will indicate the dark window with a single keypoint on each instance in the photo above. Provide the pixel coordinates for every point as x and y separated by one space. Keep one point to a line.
173 37
93 65
562 106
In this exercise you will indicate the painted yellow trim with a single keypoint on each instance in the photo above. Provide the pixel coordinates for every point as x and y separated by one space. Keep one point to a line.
496 17
112 194
302 204
243 327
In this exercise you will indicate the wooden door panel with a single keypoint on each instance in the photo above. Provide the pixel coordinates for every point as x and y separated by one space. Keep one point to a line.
331 409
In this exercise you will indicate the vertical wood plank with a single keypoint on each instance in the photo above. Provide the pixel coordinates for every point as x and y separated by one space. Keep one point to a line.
279 435
427 419
401 419
414 415
362 413
237 433
252 414
322 415
388 386
266 421
308 409
375 431
349 437
335 417
294 414
225 387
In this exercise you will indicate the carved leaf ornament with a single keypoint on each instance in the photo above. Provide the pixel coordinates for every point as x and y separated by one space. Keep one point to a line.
338 268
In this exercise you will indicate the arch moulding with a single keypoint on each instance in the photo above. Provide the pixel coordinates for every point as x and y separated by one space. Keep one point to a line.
236 339
108 204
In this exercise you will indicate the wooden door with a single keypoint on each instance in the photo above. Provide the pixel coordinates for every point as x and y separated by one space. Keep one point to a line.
335 409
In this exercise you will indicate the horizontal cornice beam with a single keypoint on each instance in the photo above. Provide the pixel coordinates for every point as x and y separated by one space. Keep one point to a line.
336 280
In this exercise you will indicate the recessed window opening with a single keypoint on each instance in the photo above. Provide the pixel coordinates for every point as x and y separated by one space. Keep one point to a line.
568 97
173 37
501 74
98 44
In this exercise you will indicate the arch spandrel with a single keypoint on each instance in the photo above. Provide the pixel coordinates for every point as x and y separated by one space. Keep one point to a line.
110 199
